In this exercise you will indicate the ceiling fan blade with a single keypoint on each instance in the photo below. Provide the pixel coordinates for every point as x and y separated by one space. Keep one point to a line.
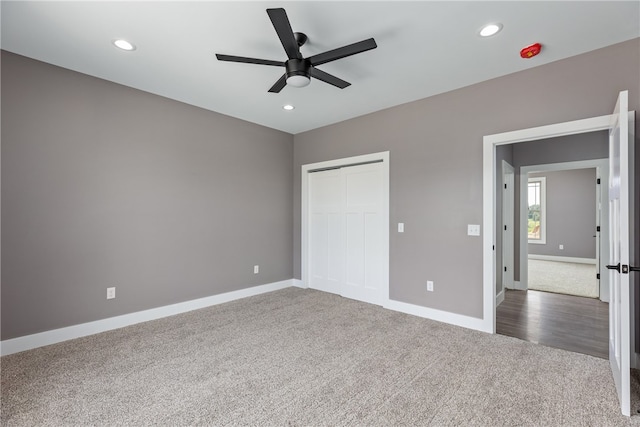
328 78
277 87
232 58
342 52
283 28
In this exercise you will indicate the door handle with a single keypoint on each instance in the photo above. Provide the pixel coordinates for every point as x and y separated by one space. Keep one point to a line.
632 268
614 267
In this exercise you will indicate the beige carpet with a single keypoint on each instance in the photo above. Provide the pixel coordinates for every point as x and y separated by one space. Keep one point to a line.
302 357
563 278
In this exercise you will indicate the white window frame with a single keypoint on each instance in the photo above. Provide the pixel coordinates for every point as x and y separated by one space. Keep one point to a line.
543 210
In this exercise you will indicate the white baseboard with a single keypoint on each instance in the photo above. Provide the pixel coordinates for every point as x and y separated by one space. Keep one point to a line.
519 286
29 342
500 298
438 315
563 259
300 284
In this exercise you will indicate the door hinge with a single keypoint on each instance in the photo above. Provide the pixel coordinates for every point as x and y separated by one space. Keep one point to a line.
494 247
598 181
505 186
598 276
598 228
505 269
505 227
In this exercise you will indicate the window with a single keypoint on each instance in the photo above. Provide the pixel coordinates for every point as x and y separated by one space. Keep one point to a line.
536 212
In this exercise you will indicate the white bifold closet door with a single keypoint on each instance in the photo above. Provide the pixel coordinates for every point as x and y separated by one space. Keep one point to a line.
346 231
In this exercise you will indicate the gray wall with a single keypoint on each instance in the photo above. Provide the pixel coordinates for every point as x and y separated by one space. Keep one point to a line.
570 214
104 185
435 149
570 148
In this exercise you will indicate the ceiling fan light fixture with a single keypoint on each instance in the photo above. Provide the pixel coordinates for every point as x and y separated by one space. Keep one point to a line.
490 30
298 80
288 107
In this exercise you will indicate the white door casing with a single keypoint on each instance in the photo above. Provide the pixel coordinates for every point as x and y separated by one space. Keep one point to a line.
345 227
619 244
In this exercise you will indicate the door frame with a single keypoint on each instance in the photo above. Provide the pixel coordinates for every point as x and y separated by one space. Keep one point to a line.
304 217
602 247
490 142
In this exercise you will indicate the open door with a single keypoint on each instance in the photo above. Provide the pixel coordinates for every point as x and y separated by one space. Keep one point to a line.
508 227
619 243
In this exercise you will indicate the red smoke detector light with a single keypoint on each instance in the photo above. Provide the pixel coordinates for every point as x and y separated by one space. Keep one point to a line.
531 51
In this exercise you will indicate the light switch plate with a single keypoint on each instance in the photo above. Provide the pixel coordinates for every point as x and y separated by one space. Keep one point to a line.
473 229
401 227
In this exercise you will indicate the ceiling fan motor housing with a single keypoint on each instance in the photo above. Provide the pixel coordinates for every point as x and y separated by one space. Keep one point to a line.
297 67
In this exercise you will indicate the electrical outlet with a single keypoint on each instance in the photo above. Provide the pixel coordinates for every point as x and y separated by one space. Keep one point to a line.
111 293
256 269
429 285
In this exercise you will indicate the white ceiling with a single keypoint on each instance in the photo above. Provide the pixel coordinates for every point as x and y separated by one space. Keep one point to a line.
424 48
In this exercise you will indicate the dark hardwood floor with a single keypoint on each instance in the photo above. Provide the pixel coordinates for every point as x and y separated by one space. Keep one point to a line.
555 320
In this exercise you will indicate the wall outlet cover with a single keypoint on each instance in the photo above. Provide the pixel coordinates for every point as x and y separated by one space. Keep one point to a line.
473 229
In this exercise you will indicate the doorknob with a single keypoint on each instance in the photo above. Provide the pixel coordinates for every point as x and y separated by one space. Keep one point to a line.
614 267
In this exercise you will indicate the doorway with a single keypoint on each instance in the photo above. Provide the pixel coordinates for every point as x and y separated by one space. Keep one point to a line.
573 239
620 126
557 228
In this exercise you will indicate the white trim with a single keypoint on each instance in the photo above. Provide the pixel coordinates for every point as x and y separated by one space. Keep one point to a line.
437 315
518 286
488 195
574 260
304 218
54 336
299 284
500 298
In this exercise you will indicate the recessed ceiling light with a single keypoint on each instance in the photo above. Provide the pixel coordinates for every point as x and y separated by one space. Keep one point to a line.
123 44
491 29
288 107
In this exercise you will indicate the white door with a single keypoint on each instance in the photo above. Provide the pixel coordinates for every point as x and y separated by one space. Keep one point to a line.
364 227
507 225
326 230
346 246
620 300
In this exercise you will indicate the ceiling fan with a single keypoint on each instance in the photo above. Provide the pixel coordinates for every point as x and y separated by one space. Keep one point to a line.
299 70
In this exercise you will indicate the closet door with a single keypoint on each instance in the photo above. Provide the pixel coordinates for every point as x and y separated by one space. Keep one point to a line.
326 230
346 226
